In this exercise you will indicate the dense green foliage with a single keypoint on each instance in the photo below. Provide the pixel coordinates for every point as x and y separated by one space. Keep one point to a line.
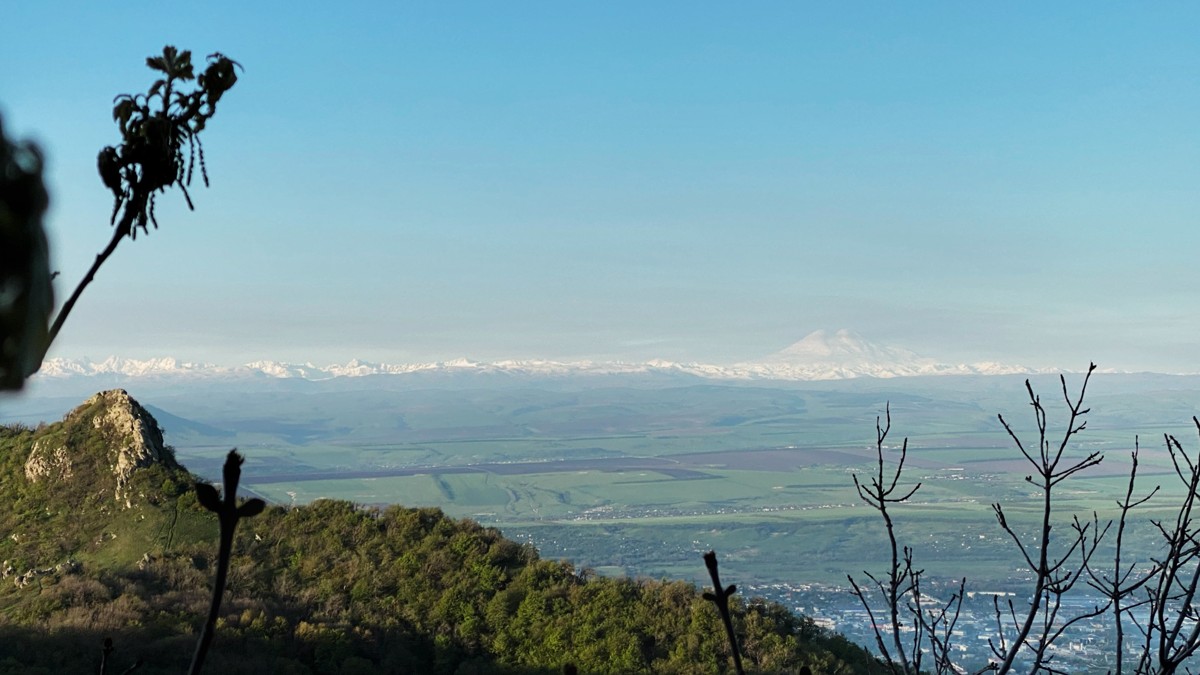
336 588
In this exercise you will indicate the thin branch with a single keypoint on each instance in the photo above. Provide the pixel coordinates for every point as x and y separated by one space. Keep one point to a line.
1052 579
122 230
902 580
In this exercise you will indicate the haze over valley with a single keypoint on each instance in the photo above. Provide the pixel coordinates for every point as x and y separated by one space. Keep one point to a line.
670 459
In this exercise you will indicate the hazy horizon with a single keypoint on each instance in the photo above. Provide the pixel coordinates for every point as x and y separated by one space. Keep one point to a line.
691 182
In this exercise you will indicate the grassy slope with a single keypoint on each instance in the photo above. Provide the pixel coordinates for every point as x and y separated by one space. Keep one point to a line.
52 521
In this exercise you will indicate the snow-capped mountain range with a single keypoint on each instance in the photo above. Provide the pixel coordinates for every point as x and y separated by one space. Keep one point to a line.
819 356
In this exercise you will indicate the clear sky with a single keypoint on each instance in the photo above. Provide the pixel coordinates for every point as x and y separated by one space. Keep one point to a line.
692 181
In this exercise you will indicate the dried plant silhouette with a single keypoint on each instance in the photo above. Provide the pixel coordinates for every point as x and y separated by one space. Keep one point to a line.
1125 579
160 148
151 157
1032 630
1054 575
228 514
1166 589
900 590
720 597
1158 597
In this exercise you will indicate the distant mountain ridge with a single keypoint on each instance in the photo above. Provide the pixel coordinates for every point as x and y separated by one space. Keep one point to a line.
821 355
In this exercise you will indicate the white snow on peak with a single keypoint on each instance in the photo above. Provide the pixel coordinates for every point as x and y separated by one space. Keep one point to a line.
842 347
119 366
820 355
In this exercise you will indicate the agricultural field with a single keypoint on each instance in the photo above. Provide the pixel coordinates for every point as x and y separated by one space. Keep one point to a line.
786 514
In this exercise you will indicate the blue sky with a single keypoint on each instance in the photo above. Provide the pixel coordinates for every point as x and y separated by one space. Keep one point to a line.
691 181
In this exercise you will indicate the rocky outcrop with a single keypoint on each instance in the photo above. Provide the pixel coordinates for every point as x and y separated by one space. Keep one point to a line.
32 574
47 462
131 440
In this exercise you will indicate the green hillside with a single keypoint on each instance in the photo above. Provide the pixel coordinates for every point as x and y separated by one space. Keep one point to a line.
98 488
103 537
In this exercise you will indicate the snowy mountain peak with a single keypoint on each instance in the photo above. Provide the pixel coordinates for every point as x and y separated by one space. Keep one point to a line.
844 348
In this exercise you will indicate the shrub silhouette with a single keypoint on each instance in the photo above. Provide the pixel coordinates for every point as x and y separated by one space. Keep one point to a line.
1165 588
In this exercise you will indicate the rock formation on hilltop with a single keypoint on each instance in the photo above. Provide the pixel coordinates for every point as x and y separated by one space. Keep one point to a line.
97 487
130 437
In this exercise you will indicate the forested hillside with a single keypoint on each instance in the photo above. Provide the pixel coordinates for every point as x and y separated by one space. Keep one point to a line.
104 538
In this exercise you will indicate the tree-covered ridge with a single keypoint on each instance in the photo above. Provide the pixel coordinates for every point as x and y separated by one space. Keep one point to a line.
331 587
